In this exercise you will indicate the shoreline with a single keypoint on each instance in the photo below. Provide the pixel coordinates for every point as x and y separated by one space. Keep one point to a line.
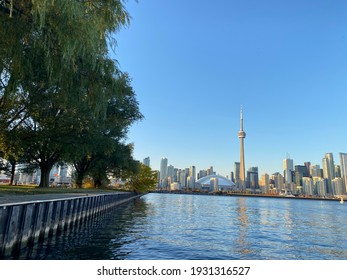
248 195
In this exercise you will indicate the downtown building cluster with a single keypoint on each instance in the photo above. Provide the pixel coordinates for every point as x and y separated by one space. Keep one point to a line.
308 179
311 180
172 178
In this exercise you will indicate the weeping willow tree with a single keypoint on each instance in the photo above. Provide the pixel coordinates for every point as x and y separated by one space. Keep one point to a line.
56 78
63 32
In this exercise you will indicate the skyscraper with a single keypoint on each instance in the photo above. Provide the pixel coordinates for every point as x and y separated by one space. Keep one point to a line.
288 167
265 182
210 171
337 171
278 180
343 165
328 170
146 161
192 171
300 172
307 186
338 186
170 171
328 166
253 178
163 168
242 136
308 166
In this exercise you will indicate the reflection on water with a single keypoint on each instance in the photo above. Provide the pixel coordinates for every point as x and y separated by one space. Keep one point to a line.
242 247
164 226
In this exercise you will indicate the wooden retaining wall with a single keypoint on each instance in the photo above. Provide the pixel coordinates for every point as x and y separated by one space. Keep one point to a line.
24 224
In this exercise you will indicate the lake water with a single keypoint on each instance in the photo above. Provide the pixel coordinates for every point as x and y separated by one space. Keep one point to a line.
174 226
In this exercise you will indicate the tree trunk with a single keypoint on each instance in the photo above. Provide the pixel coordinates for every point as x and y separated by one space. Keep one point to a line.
82 167
13 170
45 170
79 178
97 182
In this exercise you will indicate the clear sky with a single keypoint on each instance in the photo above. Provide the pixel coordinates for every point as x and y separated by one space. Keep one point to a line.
195 62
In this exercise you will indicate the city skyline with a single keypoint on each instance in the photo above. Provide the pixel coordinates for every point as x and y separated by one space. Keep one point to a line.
192 68
297 180
315 168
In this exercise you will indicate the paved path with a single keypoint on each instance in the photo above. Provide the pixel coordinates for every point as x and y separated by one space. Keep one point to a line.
39 197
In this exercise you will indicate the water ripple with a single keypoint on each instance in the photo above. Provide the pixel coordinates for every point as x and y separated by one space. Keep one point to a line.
164 226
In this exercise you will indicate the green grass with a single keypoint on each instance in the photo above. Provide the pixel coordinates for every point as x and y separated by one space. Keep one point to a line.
28 190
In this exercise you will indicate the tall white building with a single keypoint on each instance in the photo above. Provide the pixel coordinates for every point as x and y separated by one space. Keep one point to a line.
163 168
343 166
328 166
329 170
191 182
183 178
192 171
288 167
307 186
265 183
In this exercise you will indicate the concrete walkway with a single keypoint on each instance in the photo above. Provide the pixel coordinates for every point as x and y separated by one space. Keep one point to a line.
7 199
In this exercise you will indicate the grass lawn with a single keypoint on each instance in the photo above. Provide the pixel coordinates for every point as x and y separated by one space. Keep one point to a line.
22 190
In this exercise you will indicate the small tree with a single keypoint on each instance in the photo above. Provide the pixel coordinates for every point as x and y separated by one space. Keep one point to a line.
144 180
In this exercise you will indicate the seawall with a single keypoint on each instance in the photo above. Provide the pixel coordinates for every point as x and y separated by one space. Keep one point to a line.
23 224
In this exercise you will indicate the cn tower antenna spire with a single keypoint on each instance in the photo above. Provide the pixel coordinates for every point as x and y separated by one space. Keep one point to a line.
241 120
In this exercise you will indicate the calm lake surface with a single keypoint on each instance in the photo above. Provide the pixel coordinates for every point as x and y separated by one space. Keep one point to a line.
174 226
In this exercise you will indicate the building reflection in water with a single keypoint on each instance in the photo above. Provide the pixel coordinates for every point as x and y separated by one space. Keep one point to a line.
243 246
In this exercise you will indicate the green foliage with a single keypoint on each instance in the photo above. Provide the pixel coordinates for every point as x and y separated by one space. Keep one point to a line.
62 31
61 97
142 180
99 150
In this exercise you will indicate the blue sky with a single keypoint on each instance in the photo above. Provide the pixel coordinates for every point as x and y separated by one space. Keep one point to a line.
195 62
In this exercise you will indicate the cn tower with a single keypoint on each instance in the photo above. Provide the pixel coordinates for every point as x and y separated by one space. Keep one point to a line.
242 135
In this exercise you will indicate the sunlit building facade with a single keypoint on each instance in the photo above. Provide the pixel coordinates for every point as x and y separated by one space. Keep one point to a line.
338 186
288 168
343 165
163 168
307 186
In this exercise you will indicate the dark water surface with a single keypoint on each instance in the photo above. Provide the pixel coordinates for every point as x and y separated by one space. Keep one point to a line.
173 226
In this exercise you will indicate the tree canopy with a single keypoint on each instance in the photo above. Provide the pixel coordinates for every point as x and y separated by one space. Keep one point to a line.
62 98
142 180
